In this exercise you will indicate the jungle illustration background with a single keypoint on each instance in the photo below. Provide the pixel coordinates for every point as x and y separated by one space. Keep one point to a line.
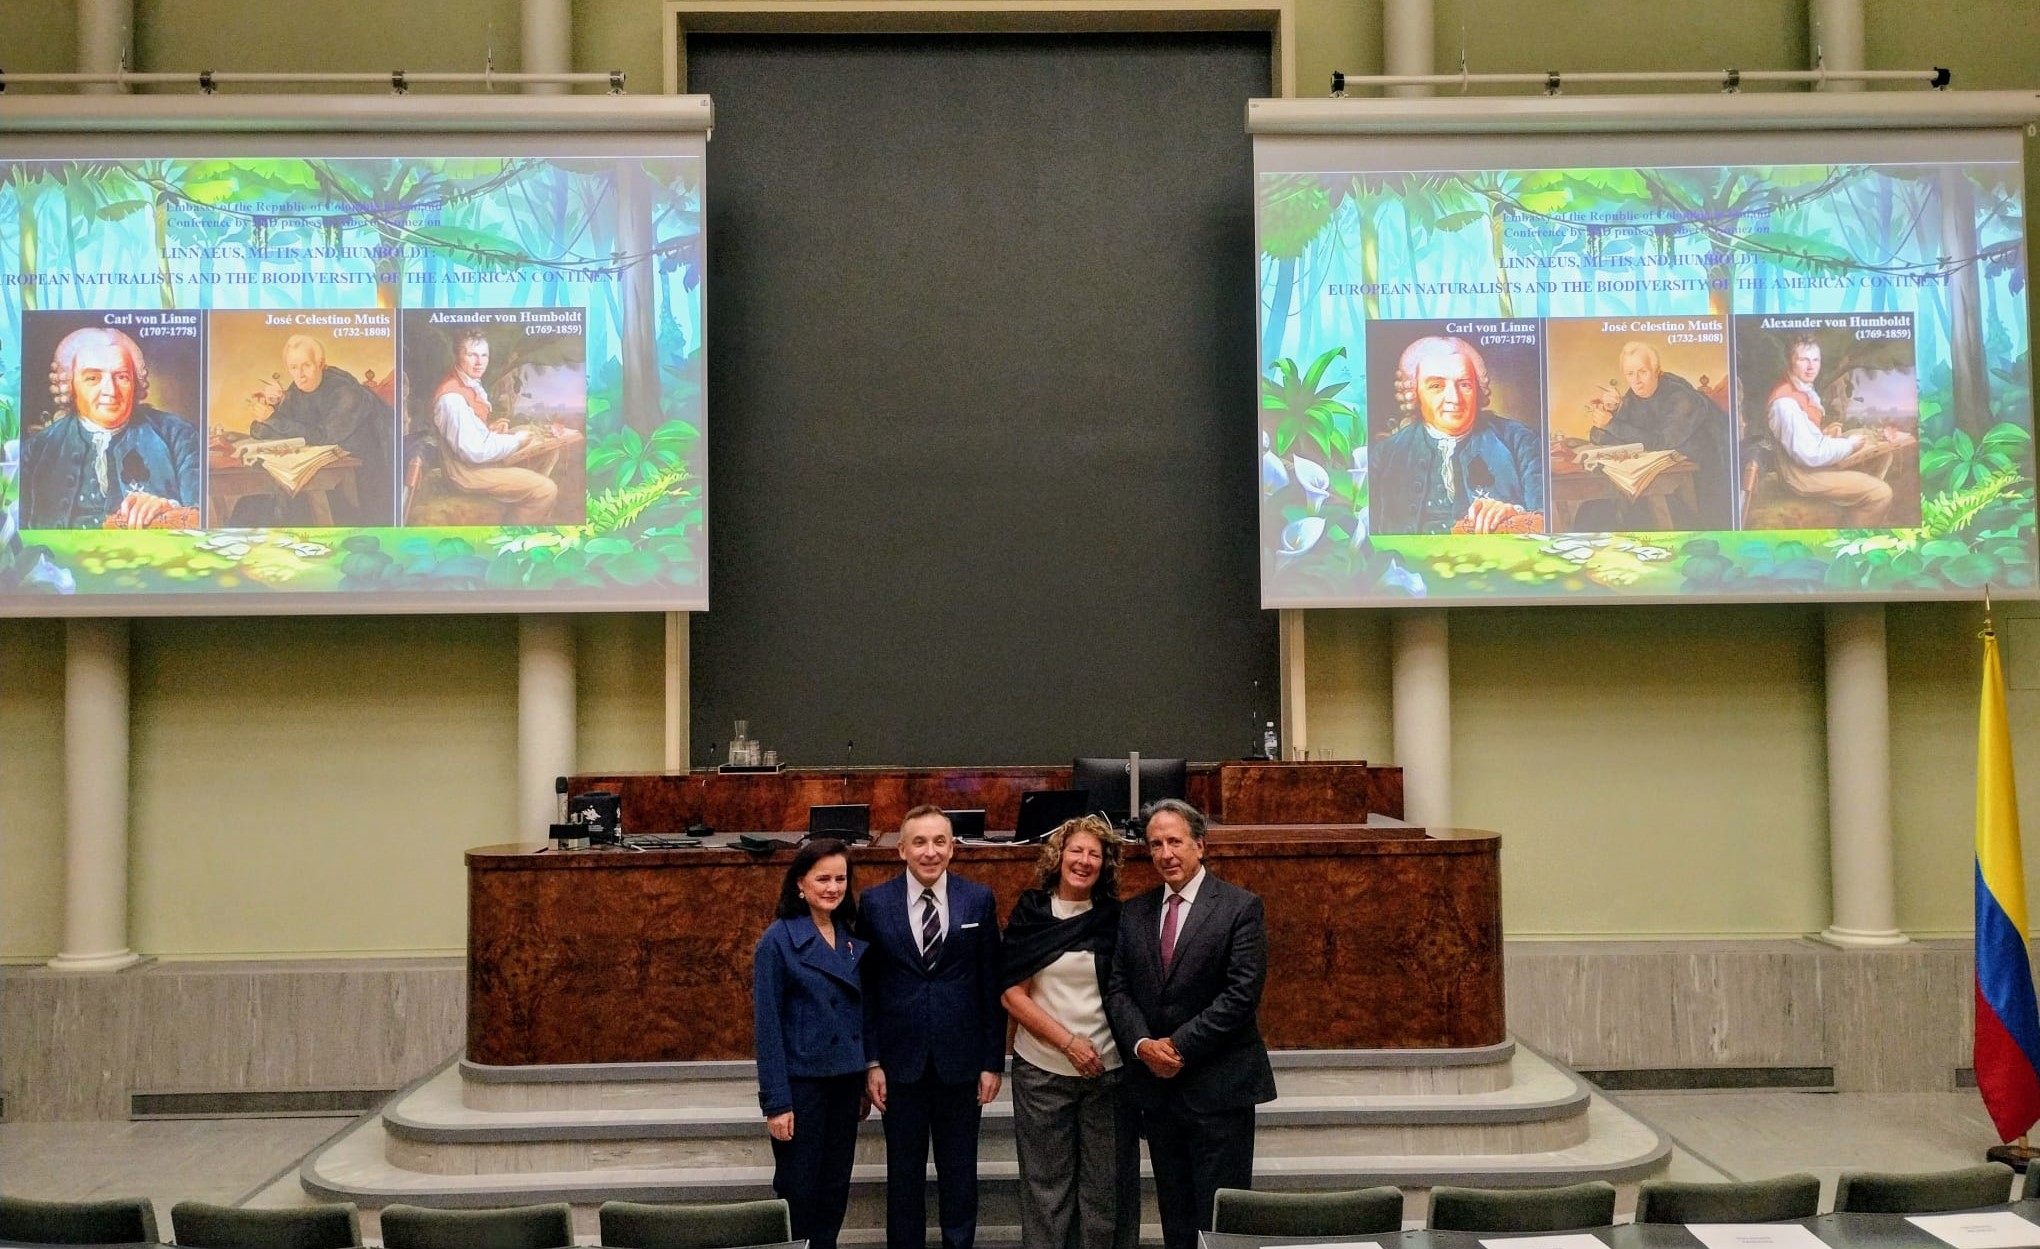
618 237
1340 250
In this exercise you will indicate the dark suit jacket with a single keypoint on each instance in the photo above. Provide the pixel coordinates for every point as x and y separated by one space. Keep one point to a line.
807 1004
948 1016
56 459
1207 1005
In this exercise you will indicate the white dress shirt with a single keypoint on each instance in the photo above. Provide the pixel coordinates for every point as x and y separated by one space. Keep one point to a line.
1446 444
1800 435
914 890
1189 895
464 431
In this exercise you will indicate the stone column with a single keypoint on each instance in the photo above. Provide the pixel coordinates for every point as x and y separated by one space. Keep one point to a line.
1408 42
95 798
545 719
1421 677
104 27
1836 39
1859 779
547 28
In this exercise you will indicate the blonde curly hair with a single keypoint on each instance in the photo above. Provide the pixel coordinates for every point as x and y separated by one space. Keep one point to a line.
1048 868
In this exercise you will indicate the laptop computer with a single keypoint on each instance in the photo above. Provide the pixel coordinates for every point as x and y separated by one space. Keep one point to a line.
967 825
1043 810
849 821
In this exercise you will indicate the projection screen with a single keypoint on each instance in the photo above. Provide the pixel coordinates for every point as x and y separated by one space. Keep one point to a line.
314 355
1754 355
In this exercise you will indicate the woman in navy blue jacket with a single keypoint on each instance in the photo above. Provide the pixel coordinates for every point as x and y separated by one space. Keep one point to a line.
810 1030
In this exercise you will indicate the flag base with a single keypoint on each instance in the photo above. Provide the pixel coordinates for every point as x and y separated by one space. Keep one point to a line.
2015 1156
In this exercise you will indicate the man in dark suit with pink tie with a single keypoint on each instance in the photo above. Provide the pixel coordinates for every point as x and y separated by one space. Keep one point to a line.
934 1030
1187 974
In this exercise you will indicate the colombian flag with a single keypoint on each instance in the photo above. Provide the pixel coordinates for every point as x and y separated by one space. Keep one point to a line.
2007 1023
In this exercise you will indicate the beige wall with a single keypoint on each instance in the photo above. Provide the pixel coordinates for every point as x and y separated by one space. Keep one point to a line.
306 786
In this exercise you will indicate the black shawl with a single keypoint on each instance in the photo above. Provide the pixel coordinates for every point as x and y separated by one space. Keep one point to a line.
1035 938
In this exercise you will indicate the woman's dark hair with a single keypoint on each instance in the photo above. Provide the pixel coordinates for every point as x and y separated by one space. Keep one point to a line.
804 859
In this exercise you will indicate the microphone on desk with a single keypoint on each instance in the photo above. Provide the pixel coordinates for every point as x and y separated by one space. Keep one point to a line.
849 747
559 800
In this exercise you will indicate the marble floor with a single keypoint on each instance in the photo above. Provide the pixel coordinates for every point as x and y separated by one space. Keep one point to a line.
1751 1135
1742 1135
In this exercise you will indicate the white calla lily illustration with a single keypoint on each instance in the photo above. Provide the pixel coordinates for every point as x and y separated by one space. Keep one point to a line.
1302 534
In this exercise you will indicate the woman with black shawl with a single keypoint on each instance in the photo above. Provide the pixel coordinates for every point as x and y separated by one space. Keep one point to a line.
1079 1149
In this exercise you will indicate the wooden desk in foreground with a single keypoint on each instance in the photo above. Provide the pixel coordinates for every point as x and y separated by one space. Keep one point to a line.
1378 937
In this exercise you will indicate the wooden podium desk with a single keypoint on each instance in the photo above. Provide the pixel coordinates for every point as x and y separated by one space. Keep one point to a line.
1378 937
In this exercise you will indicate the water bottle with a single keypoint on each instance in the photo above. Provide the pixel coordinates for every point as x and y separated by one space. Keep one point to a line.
1271 744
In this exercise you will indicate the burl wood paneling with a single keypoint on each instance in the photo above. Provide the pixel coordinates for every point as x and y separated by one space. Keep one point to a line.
1302 793
770 802
1377 939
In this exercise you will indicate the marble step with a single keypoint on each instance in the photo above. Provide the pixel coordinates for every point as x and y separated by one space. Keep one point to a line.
355 1167
648 1086
443 1109
431 1129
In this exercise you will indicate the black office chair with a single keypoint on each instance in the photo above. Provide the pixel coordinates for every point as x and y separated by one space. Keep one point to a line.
696 1225
1575 1206
515 1227
1883 1192
1785 1197
77 1222
1354 1212
206 1226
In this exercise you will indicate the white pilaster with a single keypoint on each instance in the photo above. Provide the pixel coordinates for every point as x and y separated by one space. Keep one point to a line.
1859 779
545 719
1421 679
1293 720
679 674
95 797
547 30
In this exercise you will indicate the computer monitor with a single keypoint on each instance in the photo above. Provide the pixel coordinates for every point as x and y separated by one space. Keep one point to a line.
846 821
1042 811
1106 781
967 824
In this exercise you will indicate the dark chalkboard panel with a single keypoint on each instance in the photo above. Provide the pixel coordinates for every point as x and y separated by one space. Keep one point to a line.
981 388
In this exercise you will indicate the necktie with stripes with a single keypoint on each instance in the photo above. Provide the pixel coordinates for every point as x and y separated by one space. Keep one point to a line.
931 928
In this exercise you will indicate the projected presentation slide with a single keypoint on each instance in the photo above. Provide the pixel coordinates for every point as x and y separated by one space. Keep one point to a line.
1751 378
351 383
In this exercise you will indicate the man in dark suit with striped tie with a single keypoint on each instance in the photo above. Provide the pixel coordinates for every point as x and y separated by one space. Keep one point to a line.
1184 1000
933 1029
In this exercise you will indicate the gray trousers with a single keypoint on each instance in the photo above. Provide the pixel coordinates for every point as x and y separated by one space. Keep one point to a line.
1079 1161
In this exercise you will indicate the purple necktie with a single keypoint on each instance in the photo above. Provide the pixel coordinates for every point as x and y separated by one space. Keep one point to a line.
1169 930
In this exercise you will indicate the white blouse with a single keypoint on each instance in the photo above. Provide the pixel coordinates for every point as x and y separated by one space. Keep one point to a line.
1069 991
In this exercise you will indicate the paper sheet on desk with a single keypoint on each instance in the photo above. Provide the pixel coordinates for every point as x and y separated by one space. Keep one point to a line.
1346 1244
1755 1236
1572 1240
1987 1229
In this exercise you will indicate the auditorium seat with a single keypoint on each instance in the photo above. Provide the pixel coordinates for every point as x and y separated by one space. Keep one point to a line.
513 1227
1575 1206
1886 1192
120 1221
1795 1196
697 1225
198 1223
1354 1212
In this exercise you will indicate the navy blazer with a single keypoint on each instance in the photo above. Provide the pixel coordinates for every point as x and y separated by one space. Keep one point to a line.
808 1004
947 1017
